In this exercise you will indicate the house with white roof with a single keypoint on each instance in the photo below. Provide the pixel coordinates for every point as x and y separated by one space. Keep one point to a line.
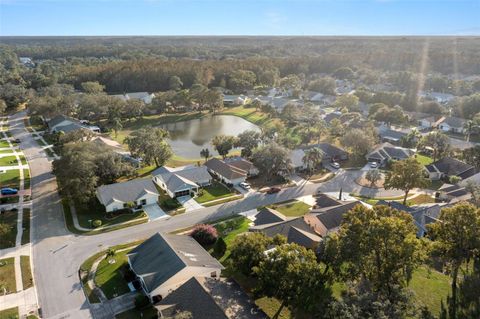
453 124
143 96
229 100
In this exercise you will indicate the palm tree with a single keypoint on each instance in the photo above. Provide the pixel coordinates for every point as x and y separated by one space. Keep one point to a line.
312 158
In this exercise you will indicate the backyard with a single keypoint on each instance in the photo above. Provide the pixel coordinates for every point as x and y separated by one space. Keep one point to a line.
212 192
293 208
7 275
9 218
10 178
431 287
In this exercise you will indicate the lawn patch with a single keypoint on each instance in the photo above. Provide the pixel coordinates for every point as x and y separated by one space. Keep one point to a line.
86 214
423 159
228 230
11 313
292 208
222 200
4 143
8 160
26 178
109 276
430 287
10 219
248 113
27 278
26 226
11 178
213 192
420 199
7 275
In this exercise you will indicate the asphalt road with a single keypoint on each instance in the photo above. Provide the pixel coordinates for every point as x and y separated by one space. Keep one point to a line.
58 254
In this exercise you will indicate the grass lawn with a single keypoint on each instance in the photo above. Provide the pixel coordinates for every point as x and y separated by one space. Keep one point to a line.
8 161
228 230
10 219
247 113
87 214
11 178
212 192
4 143
292 208
434 185
27 278
7 275
147 313
26 226
421 199
26 178
11 313
109 276
6 151
23 159
430 287
354 162
423 159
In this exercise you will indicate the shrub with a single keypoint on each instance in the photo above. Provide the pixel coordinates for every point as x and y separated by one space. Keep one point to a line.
204 234
220 247
141 301
97 223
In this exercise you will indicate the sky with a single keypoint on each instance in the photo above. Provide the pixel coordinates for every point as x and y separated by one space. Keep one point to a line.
239 17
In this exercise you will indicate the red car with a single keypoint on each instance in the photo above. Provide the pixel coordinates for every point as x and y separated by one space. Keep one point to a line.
273 190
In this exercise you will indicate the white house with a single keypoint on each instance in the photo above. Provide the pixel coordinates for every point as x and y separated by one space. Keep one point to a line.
452 124
234 100
229 173
140 192
143 96
68 124
181 181
165 261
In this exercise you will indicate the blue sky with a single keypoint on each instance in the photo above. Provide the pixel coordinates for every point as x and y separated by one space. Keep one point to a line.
239 17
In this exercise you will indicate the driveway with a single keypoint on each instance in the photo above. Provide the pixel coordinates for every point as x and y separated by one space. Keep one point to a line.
189 203
154 212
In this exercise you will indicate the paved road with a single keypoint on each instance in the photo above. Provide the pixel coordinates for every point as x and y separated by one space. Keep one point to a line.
57 254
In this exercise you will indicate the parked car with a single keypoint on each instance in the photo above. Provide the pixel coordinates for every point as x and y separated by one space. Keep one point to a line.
335 165
17 140
9 191
373 164
245 185
273 190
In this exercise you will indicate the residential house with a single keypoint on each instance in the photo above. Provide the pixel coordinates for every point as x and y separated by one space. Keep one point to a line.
277 103
331 153
329 117
386 152
453 124
164 262
241 163
391 136
68 124
425 121
139 192
423 215
448 167
230 172
229 100
442 98
181 181
143 96
207 298
453 193
26 61
308 230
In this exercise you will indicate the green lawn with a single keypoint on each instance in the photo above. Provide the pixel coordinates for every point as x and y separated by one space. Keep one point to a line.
87 214
109 276
430 287
4 143
10 219
6 151
8 160
26 178
212 192
292 209
27 278
11 313
228 230
249 114
7 275
423 159
23 159
148 313
26 226
11 178
421 199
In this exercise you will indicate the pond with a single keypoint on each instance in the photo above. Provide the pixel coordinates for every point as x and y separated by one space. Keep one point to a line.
188 138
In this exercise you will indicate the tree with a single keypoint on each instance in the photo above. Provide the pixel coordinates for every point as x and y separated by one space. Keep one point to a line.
472 156
411 139
272 159
472 126
378 245
291 274
456 240
149 144
325 85
358 141
175 83
248 141
204 234
241 80
133 109
220 247
438 142
406 175
313 158
3 106
4 230
92 87
390 115
223 144
348 101
248 251
474 189
373 176
205 153
336 128
344 73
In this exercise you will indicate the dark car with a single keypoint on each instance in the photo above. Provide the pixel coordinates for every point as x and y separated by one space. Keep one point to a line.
17 141
9 191
273 190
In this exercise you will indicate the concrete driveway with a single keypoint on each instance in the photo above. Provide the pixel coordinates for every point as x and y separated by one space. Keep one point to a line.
189 203
154 212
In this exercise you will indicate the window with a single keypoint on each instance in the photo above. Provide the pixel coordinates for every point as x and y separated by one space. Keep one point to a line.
213 274
143 202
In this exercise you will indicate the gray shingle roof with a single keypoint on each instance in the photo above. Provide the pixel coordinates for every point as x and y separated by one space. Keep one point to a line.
331 217
225 170
323 200
163 255
268 216
126 191
329 150
451 166
177 179
387 151
456 122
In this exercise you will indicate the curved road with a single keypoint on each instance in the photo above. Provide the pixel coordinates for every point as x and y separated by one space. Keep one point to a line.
58 254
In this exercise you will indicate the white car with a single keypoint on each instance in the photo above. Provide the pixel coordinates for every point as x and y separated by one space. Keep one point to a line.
373 164
245 185
335 165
